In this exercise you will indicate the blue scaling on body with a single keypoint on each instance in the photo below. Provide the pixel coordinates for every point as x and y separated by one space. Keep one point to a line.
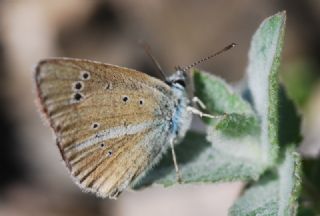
181 117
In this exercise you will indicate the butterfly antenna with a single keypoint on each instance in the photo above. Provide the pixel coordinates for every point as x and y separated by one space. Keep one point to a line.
230 46
147 49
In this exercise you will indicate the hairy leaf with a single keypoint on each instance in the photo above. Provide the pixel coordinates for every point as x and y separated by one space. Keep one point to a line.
276 193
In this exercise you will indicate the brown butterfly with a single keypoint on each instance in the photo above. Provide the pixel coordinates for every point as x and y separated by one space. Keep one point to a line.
112 124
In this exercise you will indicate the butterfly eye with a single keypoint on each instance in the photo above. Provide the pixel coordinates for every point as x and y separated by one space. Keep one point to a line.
180 82
102 145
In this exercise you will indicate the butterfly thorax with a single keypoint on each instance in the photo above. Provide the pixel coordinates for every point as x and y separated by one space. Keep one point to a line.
181 118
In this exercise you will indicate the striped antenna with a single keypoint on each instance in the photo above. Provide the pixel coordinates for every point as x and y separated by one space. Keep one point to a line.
209 57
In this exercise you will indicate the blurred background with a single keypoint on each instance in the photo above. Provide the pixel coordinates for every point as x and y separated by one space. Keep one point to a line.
33 180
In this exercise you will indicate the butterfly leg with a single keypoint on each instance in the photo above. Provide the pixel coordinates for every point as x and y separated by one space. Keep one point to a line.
174 157
197 100
201 114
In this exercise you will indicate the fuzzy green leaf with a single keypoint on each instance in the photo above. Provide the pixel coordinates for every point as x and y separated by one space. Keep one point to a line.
218 96
232 149
264 60
275 193
199 161
235 136
289 121
309 203
237 125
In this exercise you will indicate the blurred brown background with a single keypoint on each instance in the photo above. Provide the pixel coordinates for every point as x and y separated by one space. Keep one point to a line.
33 180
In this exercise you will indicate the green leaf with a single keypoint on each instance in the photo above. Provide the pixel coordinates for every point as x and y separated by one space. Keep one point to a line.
289 121
199 161
309 203
218 96
264 60
306 211
276 193
237 125
232 148
234 136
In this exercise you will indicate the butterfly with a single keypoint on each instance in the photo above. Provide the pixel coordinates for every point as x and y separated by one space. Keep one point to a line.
113 124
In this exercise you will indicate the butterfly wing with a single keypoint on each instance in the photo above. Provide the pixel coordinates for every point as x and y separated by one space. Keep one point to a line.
111 123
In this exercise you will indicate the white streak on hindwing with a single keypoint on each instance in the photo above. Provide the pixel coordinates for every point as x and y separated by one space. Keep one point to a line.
110 134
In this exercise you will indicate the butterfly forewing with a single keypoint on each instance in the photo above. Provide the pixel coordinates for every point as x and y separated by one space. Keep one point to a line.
110 122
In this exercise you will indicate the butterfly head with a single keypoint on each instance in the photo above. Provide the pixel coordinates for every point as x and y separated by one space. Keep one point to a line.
178 79
181 81
182 76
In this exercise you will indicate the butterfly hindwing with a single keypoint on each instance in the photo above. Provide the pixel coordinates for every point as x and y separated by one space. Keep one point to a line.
110 122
